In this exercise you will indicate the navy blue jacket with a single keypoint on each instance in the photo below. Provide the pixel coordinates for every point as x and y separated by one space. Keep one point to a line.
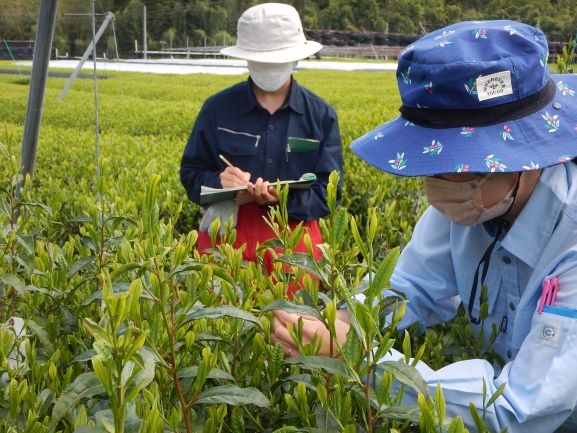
232 123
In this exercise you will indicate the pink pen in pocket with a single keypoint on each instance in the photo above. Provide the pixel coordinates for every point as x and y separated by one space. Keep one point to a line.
554 290
549 293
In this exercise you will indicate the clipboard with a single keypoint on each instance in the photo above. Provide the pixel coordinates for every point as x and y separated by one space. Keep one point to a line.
210 195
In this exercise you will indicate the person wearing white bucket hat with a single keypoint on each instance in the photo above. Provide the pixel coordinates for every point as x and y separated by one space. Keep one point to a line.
493 134
265 129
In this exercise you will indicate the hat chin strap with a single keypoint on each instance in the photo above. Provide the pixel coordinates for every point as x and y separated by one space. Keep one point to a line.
483 266
476 117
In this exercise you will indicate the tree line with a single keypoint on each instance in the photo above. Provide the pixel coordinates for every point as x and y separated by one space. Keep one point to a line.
194 23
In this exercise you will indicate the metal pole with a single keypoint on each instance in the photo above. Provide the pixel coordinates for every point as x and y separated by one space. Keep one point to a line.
11 55
91 49
115 41
145 47
41 58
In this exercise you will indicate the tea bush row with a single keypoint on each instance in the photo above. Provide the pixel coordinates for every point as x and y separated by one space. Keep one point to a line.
130 329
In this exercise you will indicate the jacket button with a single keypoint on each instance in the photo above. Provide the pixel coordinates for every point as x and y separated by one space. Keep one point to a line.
506 260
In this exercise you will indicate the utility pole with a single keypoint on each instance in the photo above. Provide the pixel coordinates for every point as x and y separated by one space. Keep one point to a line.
41 59
145 47
185 30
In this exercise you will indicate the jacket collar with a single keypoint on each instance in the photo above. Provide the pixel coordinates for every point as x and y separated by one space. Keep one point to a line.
295 100
538 217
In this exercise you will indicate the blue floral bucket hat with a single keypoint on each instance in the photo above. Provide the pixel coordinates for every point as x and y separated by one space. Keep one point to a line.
477 96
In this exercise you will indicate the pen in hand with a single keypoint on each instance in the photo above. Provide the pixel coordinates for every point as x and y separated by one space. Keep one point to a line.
236 177
226 161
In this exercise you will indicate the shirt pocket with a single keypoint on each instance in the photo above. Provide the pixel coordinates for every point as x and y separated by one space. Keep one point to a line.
298 144
237 144
302 153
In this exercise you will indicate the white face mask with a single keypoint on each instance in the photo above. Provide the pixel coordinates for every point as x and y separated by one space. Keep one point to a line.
270 76
462 202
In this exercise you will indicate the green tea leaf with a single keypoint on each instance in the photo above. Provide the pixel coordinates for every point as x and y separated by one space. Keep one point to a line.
233 395
456 426
80 264
476 418
410 413
302 261
289 307
218 312
41 334
215 373
497 393
13 281
339 227
143 377
84 386
384 271
324 363
406 374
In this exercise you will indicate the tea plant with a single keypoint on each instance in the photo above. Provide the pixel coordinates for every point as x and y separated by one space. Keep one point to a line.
130 328
566 58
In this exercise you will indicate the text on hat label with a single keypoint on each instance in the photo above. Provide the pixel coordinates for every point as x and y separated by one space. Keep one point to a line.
494 85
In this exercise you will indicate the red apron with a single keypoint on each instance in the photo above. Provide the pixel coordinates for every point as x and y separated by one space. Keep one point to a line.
251 229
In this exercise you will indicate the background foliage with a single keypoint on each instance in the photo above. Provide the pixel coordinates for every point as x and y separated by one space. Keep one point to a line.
213 22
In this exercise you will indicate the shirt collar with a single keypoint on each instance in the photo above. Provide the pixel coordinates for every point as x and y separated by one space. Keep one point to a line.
295 100
533 227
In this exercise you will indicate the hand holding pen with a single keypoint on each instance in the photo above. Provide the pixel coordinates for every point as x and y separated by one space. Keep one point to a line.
260 191
233 176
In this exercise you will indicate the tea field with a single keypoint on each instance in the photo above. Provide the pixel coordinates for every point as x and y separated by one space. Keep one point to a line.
127 328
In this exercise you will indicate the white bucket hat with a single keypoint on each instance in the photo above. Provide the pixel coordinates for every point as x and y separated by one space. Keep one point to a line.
271 33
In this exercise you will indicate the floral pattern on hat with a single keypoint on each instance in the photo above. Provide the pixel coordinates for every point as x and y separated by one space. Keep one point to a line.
551 122
406 75
443 38
506 133
399 162
435 148
565 89
543 59
494 163
471 86
480 33
532 166
467 131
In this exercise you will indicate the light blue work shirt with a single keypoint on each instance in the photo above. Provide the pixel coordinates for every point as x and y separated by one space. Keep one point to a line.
436 272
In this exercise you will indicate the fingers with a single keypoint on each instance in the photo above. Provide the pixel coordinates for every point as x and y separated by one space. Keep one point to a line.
281 334
262 192
233 176
289 349
312 328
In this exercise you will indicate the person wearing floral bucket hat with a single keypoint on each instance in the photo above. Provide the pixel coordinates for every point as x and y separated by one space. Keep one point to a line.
493 134
265 129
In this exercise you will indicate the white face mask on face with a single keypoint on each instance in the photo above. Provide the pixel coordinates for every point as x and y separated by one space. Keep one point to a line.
462 202
270 76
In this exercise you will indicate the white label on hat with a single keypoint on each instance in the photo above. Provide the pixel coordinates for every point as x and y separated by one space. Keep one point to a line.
494 85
